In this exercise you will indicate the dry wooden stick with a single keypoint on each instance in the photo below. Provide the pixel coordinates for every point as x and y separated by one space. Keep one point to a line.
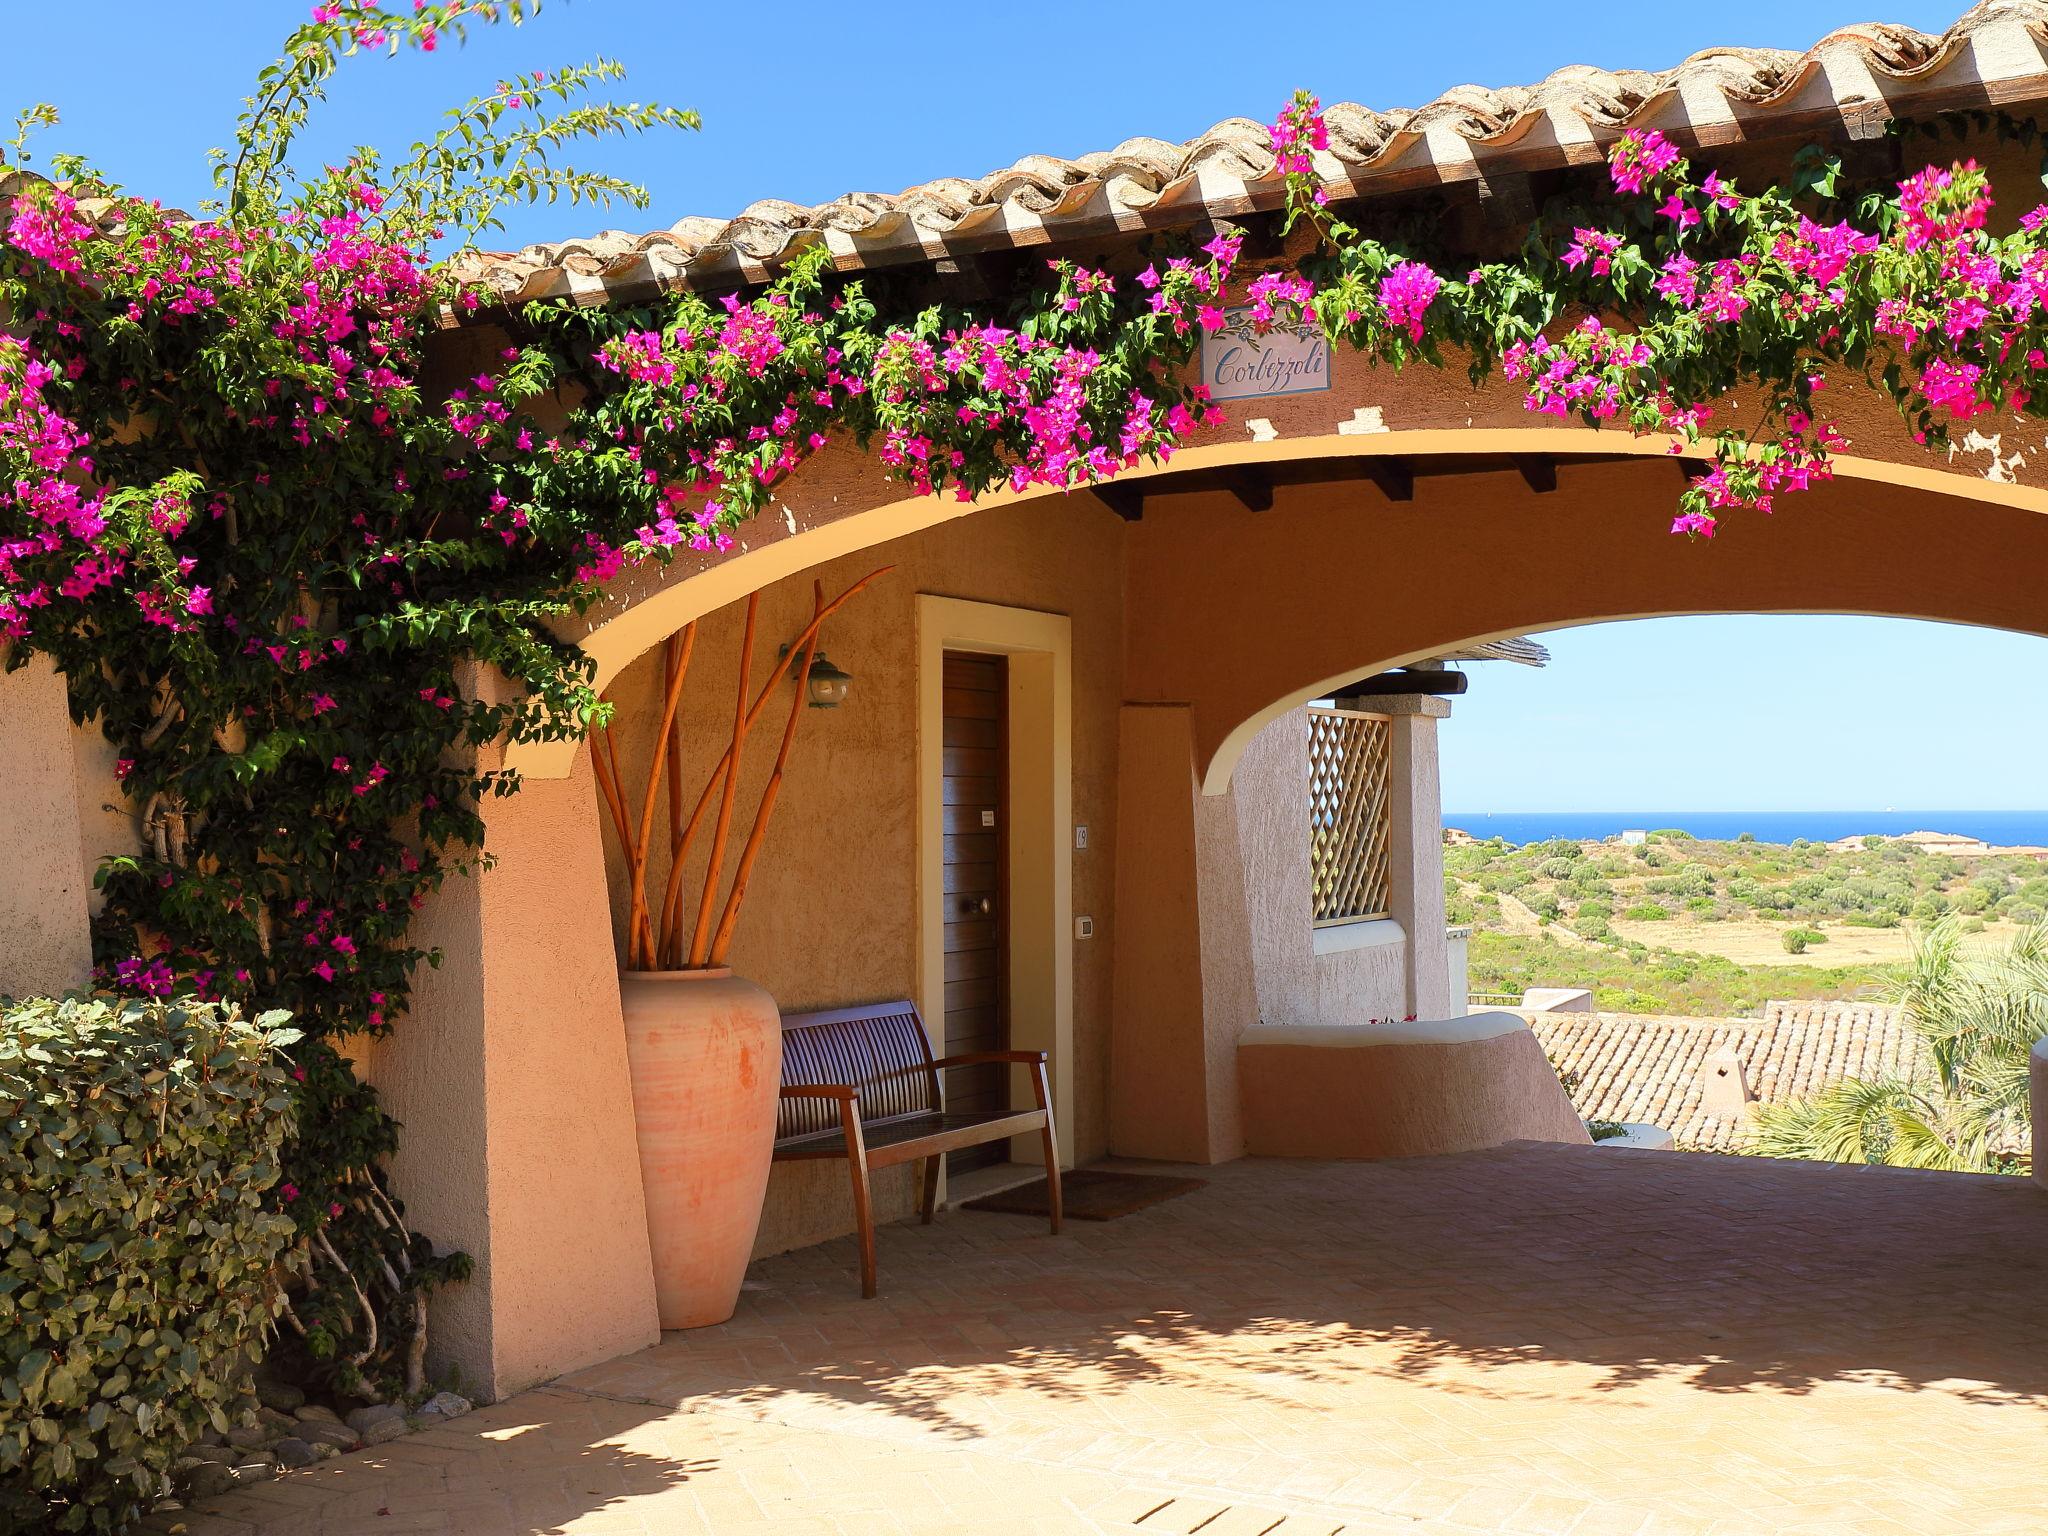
610 789
721 943
742 718
679 856
676 662
672 904
675 822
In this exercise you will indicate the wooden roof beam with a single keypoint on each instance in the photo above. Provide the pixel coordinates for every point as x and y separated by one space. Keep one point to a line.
1252 487
1538 472
1394 476
1126 501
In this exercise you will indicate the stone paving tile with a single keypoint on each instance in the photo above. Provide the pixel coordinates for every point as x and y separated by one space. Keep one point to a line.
1534 1341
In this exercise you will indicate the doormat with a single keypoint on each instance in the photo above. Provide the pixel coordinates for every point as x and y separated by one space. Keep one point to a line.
1089 1195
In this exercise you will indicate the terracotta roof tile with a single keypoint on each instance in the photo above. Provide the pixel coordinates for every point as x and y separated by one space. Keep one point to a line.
1653 1069
1853 79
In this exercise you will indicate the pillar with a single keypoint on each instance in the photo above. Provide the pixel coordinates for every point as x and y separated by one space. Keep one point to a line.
1417 882
1183 968
45 938
509 1077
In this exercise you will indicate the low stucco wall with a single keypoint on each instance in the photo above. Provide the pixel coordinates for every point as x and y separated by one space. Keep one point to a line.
1420 1090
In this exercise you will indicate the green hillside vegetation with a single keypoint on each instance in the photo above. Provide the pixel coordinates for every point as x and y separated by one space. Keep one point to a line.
1638 979
1737 923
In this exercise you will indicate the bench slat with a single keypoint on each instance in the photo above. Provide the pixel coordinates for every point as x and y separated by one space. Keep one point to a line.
914 1136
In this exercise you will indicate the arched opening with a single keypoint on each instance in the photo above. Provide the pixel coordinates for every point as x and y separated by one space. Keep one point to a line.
1763 883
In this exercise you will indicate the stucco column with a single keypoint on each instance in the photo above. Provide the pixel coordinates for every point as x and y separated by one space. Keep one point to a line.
1418 849
45 943
509 1076
1183 969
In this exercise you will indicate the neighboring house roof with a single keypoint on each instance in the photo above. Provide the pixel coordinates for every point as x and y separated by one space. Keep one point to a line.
1847 85
1933 842
1655 1070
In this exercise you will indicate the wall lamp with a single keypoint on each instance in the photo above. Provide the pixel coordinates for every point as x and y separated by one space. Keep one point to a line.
827 685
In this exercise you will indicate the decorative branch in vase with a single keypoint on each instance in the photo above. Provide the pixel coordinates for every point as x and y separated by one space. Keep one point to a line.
652 949
704 1046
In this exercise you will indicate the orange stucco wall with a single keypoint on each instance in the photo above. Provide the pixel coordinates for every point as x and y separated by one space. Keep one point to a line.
1183 978
509 1077
43 942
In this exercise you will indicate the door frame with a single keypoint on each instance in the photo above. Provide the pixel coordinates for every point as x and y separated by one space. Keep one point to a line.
1038 905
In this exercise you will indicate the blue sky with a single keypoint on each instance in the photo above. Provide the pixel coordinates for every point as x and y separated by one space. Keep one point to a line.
805 101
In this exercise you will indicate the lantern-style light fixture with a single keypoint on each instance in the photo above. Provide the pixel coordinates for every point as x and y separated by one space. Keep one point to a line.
827 685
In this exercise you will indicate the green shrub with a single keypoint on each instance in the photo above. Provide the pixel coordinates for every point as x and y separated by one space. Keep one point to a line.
139 1261
1796 940
1646 912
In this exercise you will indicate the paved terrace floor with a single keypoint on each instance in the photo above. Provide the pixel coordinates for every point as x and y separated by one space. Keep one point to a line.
1534 1339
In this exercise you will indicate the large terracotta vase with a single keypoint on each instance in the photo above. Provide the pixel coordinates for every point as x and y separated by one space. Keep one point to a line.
706 1053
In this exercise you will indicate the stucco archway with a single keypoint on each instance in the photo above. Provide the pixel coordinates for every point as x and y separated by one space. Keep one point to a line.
1303 597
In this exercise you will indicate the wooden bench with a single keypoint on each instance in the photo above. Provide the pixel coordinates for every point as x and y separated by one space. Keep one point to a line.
861 1083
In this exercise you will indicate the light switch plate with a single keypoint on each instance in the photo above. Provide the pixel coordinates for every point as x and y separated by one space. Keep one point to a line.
988 818
1084 927
1080 837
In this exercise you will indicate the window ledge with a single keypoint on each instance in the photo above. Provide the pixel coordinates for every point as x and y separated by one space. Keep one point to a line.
1367 933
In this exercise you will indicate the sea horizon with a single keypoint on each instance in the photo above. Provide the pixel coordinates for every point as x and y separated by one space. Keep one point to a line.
2001 829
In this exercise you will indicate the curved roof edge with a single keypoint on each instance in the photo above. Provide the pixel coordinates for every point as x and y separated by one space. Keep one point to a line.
1847 85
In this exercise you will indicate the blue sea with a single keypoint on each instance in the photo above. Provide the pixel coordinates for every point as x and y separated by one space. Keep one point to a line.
1999 828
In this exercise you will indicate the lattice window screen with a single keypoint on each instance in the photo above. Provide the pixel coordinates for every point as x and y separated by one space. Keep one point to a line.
1350 804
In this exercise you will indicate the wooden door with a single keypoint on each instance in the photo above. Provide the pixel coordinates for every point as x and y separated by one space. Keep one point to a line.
975 829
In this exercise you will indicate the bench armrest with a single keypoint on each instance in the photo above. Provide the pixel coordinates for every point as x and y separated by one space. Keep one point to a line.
980 1058
839 1091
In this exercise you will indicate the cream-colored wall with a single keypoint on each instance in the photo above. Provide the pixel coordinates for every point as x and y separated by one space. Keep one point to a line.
1269 796
1418 827
45 946
832 915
